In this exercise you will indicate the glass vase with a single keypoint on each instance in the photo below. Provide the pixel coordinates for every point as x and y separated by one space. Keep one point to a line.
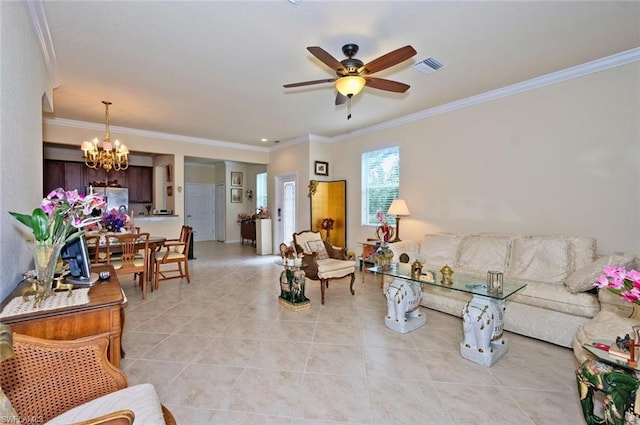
45 258
384 257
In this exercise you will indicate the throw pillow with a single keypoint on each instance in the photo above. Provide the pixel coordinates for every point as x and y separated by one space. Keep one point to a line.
480 253
319 248
582 279
540 260
440 249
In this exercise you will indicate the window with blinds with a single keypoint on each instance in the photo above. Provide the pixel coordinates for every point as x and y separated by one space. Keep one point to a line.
380 182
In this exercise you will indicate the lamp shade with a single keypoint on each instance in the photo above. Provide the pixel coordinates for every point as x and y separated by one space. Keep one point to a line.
398 207
350 85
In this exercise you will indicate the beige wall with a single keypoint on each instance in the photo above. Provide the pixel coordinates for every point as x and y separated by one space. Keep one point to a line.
560 159
291 160
23 81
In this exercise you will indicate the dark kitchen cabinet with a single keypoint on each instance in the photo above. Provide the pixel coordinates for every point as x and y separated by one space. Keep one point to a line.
54 177
140 184
76 175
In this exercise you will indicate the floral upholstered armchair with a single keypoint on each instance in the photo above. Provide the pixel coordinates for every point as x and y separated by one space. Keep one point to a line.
323 261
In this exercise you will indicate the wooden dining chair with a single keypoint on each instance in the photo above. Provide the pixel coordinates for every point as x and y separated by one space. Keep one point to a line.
173 251
128 253
93 244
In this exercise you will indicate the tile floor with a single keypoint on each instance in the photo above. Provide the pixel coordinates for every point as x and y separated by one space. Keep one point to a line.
220 350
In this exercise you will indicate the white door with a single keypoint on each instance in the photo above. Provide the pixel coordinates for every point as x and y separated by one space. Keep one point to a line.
200 210
220 214
285 213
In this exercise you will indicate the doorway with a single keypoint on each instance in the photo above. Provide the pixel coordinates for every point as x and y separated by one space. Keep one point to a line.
286 208
221 214
200 210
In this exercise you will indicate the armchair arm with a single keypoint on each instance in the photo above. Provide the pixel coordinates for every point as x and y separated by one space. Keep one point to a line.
120 417
310 266
336 252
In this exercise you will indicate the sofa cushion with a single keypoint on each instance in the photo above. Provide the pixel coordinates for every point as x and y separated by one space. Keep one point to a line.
540 259
332 268
141 399
481 253
556 297
438 250
410 247
582 249
583 278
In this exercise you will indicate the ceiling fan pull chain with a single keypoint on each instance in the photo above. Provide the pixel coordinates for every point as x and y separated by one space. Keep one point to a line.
349 108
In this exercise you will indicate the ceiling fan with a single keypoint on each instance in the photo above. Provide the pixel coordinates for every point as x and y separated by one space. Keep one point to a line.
353 74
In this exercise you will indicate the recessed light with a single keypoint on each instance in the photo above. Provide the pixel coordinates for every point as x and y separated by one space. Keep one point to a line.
264 140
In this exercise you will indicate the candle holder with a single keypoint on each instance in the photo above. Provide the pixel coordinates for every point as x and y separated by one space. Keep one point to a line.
495 282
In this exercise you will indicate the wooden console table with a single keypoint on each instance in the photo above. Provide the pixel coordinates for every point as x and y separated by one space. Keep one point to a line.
102 315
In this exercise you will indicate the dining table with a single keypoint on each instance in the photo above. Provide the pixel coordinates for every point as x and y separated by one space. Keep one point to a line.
155 243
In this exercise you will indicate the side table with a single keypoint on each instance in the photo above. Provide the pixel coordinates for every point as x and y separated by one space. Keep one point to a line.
292 282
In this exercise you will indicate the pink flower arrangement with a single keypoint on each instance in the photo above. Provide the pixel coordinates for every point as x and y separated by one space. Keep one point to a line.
621 281
60 215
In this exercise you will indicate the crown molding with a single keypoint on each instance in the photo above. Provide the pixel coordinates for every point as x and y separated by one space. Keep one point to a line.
62 122
578 71
35 8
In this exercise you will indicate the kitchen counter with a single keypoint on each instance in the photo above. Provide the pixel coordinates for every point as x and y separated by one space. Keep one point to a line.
153 217
159 225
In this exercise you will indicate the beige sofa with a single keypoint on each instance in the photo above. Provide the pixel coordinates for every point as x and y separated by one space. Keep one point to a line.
559 272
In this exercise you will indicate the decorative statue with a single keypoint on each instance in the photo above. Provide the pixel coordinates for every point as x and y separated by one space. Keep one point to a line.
481 327
403 299
618 385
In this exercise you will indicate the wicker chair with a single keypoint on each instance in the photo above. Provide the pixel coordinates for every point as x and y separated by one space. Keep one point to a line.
323 261
46 378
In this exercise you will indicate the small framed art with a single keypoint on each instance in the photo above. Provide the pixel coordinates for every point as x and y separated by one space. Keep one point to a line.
236 195
236 178
321 168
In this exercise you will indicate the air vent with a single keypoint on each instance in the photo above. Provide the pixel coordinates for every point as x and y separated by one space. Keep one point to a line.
428 65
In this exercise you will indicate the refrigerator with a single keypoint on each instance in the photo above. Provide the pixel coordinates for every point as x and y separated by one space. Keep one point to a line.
116 197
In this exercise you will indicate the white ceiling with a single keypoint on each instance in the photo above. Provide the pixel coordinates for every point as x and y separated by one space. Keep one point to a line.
215 69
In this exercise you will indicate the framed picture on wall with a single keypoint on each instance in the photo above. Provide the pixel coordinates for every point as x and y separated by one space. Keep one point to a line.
236 179
236 195
321 168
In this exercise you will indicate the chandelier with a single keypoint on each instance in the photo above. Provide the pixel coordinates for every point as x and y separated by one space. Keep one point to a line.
111 155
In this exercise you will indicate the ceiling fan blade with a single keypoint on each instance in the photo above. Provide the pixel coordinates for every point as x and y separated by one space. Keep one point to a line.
326 58
388 60
388 85
308 83
341 99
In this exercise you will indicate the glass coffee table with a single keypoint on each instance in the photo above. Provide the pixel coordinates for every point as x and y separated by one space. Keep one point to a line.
482 316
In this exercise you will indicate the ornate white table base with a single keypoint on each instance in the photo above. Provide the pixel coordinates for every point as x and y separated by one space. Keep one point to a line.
482 325
403 309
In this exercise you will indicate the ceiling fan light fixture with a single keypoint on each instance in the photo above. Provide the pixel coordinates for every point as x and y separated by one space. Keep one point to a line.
350 85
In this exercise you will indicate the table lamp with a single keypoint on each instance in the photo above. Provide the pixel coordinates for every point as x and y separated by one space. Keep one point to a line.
398 208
